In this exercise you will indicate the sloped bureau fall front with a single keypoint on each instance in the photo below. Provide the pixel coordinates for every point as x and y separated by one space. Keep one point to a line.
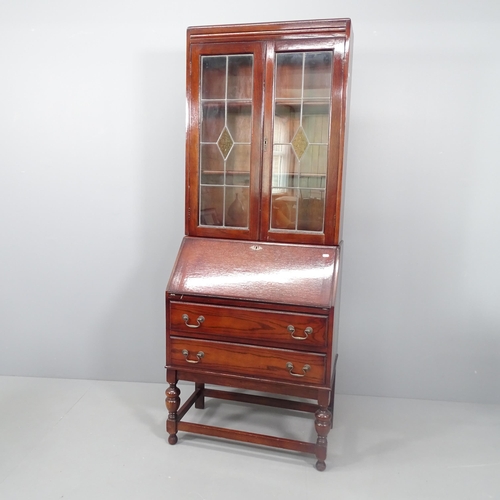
252 301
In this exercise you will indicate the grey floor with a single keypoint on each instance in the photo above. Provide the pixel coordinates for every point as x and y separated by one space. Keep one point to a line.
77 439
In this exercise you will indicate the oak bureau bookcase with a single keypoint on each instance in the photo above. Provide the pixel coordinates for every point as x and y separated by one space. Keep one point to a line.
252 301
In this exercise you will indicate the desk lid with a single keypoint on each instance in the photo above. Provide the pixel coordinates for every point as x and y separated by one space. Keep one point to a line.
303 275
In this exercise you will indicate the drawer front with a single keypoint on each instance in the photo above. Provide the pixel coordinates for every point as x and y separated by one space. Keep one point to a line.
252 324
249 361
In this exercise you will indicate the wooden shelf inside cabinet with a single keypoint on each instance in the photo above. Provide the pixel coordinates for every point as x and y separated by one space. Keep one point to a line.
252 301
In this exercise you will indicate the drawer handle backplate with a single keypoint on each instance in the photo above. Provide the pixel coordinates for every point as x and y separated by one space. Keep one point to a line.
305 369
307 332
200 354
199 321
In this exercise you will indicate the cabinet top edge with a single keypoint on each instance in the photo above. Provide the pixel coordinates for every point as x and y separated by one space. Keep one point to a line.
314 26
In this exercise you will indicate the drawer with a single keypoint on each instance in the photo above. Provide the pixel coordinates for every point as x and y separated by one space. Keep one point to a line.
239 323
249 361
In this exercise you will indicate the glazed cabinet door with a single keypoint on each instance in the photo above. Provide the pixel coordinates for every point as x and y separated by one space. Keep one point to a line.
265 139
224 152
304 120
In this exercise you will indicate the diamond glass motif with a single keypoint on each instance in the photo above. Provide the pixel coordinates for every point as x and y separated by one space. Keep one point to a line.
300 143
225 142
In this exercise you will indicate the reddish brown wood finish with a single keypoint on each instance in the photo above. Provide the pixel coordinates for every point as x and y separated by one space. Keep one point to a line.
256 309
255 271
263 41
193 227
247 360
241 324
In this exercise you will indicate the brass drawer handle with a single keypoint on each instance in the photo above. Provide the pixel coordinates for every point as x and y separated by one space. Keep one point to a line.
307 332
199 321
305 369
185 353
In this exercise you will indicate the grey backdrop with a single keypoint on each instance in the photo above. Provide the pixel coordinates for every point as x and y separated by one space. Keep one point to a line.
92 120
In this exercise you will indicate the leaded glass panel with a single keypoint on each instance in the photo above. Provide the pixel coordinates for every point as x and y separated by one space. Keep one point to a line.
301 135
225 140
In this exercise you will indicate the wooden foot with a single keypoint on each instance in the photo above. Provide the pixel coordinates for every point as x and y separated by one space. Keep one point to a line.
323 424
320 465
172 402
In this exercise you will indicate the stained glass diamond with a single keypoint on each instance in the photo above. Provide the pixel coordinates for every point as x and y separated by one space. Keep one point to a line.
300 143
225 142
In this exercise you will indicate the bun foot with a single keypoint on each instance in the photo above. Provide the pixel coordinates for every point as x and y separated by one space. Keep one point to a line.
320 465
172 439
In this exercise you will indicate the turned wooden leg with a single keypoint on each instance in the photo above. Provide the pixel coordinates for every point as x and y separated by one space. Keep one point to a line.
323 424
200 402
172 402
